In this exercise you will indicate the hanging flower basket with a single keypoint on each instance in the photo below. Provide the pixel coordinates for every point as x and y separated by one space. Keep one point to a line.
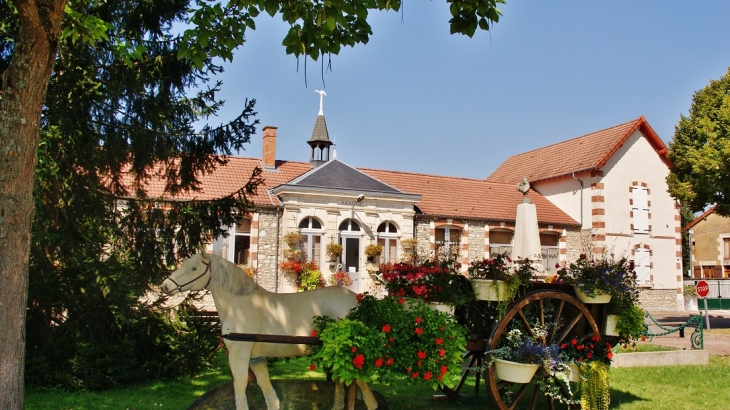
597 299
334 250
610 329
292 253
486 289
515 372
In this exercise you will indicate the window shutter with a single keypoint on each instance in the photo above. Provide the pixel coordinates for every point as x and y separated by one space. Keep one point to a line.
640 209
642 265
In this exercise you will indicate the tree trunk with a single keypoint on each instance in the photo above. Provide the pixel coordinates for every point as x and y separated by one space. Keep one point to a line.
24 86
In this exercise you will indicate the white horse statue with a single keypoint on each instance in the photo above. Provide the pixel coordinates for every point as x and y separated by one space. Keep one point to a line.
244 307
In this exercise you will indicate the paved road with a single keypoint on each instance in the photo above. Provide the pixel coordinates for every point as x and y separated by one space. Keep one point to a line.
714 343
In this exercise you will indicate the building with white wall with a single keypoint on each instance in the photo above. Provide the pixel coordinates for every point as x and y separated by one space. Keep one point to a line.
614 183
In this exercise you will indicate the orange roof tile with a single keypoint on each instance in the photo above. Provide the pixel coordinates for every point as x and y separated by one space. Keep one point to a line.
585 153
469 198
700 218
231 177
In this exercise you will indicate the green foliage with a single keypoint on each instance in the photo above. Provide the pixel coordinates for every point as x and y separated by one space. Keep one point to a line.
700 148
630 325
394 340
310 278
595 389
316 28
112 120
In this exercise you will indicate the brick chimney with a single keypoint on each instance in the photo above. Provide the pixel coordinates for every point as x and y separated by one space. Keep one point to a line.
268 156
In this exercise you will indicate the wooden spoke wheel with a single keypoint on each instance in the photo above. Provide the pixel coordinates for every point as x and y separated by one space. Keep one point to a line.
555 312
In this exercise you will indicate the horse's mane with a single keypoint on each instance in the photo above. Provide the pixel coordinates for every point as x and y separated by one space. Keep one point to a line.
230 277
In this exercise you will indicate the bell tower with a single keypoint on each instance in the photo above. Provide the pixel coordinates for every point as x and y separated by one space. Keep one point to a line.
320 142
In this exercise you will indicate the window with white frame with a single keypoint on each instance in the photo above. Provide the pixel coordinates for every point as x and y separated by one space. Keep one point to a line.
500 242
388 239
640 208
642 265
550 247
447 242
311 246
349 231
240 251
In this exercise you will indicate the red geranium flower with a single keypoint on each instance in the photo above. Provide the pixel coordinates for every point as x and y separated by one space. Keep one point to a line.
419 331
574 342
312 367
439 341
378 362
354 349
421 355
389 362
442 352
427 376
359 297
358 361
386 328
415 375
314 333
418 319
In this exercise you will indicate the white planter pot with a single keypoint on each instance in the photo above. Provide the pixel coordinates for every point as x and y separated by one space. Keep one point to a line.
487 289
514 372
611 321
605 298
441 307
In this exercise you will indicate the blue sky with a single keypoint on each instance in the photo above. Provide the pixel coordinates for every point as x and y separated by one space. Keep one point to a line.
418 99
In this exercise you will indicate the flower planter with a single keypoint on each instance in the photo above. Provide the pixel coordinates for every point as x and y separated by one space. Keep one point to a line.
598 299
487 289
610 328
514 372
441 307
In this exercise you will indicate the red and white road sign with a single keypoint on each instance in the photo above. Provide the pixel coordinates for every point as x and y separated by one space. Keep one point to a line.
703 289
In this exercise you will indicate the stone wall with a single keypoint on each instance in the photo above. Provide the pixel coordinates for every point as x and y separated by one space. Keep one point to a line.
658 299
476 241
577 242
423 236
267 238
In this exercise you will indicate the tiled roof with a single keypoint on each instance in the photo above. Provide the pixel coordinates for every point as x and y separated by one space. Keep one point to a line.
469 198
336 174
228 179
585 153
700 218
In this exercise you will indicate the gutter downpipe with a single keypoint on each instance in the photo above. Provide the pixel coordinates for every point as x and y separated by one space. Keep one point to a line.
581 199
276 259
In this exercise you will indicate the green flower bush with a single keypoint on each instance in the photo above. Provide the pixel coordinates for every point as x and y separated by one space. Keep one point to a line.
383 337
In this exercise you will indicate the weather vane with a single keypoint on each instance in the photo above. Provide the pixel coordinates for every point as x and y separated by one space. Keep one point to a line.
321 96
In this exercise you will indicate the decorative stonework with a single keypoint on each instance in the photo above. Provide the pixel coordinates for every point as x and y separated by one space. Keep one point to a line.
266 249
476 242
659 299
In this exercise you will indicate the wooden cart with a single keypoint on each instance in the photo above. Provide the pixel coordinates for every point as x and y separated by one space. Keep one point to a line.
552 307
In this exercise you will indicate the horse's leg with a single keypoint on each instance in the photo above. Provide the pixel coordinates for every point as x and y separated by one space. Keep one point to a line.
238 358
367 395
261 369
339 396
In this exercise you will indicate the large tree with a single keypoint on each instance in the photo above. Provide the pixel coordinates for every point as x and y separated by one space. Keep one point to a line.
30 31
699 152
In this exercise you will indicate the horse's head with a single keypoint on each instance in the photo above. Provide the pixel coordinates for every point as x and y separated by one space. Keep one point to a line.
194 274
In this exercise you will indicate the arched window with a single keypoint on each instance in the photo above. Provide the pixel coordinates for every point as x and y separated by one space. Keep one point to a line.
388 239
350 240
311 246
349 225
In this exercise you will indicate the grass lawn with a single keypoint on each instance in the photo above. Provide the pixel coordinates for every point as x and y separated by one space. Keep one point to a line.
678 387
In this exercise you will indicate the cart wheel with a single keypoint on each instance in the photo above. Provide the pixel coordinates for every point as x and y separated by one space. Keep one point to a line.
562 316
